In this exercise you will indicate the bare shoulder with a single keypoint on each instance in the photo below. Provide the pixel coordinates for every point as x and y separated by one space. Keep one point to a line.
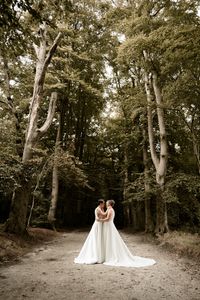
110 211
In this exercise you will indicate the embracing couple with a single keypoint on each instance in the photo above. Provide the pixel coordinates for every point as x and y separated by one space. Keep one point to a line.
104 243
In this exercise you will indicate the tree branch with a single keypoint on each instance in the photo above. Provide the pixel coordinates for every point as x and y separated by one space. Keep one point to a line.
154 156
52 106
52 50
36 48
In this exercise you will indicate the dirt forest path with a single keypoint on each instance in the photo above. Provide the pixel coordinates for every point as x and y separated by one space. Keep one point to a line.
48 272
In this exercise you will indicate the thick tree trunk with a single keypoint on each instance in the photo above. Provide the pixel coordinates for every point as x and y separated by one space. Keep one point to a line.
21 198
20 201
17 218
161 170
43 60
161 162
161 212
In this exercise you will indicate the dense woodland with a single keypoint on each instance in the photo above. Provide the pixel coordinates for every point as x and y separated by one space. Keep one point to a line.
100 99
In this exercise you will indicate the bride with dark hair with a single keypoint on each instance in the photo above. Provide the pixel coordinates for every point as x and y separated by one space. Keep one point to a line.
105 245
92 250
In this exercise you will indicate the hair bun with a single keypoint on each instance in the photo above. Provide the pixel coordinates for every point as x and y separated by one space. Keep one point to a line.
111 202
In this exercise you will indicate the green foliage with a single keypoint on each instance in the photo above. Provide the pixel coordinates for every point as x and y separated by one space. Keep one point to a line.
69 168
10 170
182 192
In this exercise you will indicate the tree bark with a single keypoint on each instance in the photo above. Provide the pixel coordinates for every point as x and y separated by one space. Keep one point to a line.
160 163
17 217
20 201
55 178
161 170
43 60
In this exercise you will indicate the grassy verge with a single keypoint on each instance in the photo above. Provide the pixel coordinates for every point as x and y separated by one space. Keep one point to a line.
12 247
182 243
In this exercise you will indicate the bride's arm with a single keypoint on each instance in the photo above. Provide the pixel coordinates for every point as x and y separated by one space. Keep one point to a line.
97 215
109 215
103 214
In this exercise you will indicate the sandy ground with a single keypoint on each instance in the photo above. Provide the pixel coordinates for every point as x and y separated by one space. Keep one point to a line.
48 272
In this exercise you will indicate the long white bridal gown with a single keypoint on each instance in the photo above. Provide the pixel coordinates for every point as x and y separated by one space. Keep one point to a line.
116 251
92 250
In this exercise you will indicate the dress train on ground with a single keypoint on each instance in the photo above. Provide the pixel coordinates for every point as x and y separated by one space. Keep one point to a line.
105 245
116 251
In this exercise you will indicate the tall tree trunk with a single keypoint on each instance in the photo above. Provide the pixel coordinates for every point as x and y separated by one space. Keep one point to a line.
161 170
18 211
43 61
55 178
160 162
149 225
22 195
39 177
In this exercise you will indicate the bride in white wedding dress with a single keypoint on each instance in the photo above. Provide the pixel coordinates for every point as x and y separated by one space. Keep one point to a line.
105 245
116 252
92 250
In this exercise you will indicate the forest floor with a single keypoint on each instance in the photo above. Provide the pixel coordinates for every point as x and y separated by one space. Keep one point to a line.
47 271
